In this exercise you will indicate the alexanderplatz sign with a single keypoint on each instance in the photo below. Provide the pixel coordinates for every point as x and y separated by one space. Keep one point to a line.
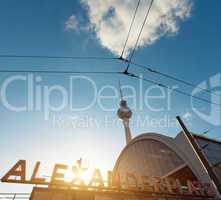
17 174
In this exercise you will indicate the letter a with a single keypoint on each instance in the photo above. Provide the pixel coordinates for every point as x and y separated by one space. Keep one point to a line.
18 170
97 179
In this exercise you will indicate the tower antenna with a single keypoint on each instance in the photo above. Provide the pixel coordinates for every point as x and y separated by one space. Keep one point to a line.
120 91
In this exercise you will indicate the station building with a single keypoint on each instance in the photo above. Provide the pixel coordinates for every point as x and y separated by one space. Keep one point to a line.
151 155
157 155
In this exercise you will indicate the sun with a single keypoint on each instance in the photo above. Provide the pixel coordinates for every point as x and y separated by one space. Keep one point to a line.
82 172
80 169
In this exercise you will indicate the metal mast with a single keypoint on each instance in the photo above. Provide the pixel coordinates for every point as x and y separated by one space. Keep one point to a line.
200 156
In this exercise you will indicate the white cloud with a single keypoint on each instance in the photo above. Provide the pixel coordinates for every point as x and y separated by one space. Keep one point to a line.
110 20
71 23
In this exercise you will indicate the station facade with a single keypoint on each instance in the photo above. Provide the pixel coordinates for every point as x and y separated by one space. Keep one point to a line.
151 166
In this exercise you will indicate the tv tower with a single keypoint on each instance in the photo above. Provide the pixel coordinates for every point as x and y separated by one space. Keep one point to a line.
124 113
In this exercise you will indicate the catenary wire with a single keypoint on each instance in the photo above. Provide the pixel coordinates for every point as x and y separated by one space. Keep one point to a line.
58 72
60 57
109 73
138 38
112 58
174 78
167 87
131 24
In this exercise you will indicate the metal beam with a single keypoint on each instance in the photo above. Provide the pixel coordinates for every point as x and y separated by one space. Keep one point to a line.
200 155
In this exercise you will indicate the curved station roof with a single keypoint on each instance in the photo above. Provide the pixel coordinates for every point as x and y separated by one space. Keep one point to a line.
156 155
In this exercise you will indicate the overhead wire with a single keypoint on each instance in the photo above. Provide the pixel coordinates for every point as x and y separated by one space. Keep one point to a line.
110 73
112 58
168 76
129 31
129 61
59 57
141 30
167 87
60 72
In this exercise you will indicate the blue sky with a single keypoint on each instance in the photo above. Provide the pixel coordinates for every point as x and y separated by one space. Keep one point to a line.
38 28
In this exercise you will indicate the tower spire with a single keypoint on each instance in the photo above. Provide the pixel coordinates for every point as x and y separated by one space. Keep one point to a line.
124 113
120 91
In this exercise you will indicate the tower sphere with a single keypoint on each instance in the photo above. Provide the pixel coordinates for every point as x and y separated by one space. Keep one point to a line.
124 111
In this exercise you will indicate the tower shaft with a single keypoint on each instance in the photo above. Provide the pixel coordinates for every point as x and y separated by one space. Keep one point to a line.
127 130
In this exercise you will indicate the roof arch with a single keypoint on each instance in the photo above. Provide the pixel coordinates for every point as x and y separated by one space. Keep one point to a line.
171 144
